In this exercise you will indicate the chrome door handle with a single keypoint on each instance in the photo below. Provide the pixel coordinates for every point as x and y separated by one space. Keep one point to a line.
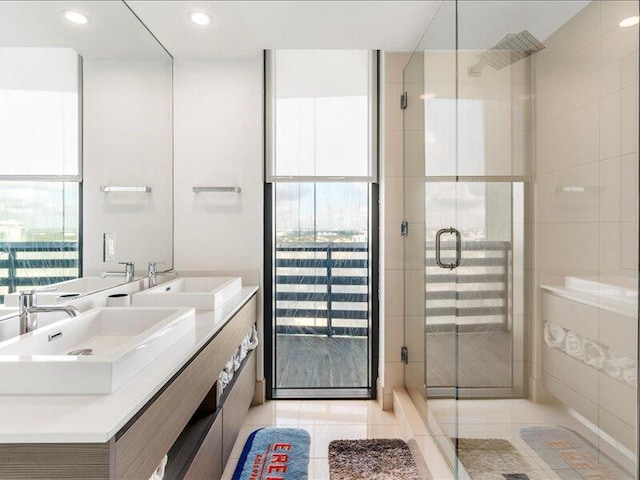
451 231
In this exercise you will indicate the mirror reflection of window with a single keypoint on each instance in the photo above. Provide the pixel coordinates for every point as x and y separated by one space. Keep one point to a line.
39 167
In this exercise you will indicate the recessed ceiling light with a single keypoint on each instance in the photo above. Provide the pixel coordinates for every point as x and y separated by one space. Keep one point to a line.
428 96
75 17
630 21
200 18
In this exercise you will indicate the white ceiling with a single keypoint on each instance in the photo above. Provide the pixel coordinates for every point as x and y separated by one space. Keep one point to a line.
242 28
114 32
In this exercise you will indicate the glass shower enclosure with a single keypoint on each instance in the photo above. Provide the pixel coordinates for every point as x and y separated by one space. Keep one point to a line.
521 194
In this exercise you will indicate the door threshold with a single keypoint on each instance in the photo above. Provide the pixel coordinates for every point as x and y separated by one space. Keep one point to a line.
321 394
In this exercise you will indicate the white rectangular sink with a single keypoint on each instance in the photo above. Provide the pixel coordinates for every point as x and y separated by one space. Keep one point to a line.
68 290
202 293
117 342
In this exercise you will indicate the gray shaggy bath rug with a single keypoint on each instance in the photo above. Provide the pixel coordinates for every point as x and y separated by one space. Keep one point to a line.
379 459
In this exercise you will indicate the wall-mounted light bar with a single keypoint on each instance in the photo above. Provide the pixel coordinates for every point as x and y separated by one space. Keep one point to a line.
217 189
113 188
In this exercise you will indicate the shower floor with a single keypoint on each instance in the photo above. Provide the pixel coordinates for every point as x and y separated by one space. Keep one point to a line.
505 418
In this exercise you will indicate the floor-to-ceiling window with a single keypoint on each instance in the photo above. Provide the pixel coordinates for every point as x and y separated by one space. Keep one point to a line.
321 174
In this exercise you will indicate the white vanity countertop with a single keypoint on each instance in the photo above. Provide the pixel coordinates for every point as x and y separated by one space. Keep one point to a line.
97 418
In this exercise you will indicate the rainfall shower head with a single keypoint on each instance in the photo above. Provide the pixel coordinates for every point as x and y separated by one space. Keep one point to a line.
512 48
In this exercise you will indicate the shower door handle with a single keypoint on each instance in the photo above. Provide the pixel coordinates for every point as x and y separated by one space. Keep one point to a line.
451 231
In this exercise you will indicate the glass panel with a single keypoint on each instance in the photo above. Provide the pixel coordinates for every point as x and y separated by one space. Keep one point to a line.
322 114
39 111
430 150
39 234
322 285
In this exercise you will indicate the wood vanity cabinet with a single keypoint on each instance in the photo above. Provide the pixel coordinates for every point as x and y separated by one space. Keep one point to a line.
182 417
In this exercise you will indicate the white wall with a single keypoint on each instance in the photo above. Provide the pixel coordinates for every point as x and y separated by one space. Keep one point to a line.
127 141
218 142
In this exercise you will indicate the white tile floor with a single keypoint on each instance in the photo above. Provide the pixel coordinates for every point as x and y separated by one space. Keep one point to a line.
324 420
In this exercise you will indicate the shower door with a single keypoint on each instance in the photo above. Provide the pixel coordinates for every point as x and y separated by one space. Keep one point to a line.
465 184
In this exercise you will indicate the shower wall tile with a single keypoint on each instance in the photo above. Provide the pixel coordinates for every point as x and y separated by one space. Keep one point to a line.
555 204
619 123
573 84
619 67
394 337
394 208
394 258
569 140
582 30
393 114
394 292
619 251
415 337
568 249
392 153
619 189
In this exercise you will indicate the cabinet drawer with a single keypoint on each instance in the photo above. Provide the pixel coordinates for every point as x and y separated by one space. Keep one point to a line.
208 461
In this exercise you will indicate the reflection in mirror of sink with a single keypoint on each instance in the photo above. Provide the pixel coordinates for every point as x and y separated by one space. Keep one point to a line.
122 340
68 290
202 293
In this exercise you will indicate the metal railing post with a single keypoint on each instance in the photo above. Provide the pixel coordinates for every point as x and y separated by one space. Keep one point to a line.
329 285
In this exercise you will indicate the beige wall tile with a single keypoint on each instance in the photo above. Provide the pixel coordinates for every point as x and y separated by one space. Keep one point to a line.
619 184
619 68
619 123
394 337
569 140
568 249
555 205
394 292
393 248
572 85
393 153
394 63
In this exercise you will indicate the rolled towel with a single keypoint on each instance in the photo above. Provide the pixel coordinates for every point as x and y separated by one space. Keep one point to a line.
573 345
630 376
224 379
593 354
616 364
236 360
158 474
554 335
254 338
229 367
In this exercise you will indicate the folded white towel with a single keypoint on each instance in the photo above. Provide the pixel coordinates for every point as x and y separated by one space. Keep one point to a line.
554 335
616 363
630 376
593 354
573 345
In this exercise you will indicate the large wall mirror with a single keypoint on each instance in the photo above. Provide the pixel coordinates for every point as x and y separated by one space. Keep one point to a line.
86 144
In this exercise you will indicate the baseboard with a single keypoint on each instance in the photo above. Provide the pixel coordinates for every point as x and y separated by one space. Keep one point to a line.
259 396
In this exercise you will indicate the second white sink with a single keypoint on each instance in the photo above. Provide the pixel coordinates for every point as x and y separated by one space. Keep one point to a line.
93 353
202 293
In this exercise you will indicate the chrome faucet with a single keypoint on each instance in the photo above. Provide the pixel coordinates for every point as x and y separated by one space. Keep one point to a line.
29 310
153 273
128 274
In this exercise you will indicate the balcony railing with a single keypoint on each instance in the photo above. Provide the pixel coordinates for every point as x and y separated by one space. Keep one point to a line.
36 263
323 288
